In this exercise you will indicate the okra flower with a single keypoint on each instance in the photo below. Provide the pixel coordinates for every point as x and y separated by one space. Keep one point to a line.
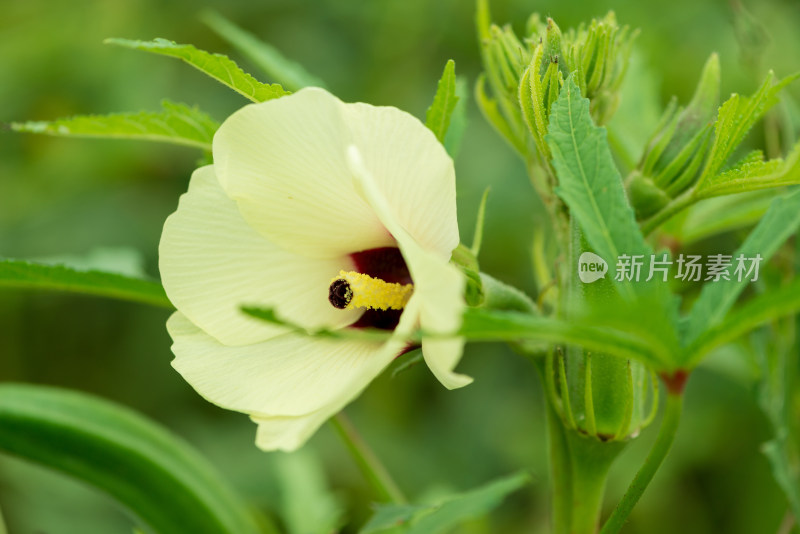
335 215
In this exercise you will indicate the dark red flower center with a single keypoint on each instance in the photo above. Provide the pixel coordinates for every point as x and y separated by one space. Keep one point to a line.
386 263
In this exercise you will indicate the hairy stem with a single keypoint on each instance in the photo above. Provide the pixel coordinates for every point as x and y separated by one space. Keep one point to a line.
666 434
560 468
678 204
370 465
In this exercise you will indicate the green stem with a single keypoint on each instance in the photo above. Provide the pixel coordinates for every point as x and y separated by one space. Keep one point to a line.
666 434
370 465
591 461
560 468
678 204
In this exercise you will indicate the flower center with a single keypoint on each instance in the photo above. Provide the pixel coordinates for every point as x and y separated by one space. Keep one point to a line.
379 270
357 290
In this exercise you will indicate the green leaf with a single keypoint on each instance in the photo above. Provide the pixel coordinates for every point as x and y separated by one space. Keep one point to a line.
589 182
716 299
454 510
458 120
721 214
592 188
160 478
753 175
392 518
491 325
217 66
23 274
483 19
477 236
768 306
361 334
734 120
448 513
778 453
480 324
176 123
437 118
302 481
779 373
290 74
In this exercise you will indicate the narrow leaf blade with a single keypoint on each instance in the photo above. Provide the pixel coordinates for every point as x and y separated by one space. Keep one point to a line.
217 66
754 175
290 74
491 325
716 299
458 120
23 274
448 513
437 118
160 478
758 311
175 123
469 505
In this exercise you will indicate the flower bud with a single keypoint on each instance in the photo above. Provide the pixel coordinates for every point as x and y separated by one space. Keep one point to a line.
598 395
674 156
603 396
525 79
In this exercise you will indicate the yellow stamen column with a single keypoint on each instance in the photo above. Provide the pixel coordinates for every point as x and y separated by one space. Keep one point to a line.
356 290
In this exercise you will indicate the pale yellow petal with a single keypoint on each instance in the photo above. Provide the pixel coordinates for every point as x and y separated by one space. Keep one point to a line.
442 356
290 432
438 285
287 433
412 170
288 375
212 262
283 162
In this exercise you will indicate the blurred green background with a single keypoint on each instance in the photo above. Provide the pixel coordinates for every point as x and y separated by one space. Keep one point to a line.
70 197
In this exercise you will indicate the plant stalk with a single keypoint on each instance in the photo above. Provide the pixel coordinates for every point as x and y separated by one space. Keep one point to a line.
374 471
560 467
666 435
591 461
678 204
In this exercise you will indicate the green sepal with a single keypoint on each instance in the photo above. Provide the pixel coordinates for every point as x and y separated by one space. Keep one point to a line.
697 115
552 47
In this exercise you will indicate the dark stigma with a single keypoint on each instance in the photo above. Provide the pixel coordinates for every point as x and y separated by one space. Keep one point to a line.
340 294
